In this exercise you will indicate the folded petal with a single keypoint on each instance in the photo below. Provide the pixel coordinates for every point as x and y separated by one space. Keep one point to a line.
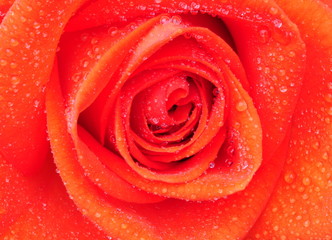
29 35
300 207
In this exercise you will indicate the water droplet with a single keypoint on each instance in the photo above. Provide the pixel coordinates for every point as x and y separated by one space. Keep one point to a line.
277 23
3 62
13 65
112 31
155 120
291 54
36 25
301 189
282 72
305 196
123 226
157 1
281 58
237 125
264 34
164 19
36 103
176 19
328 97
283 89
325 156
273 10
97 215
289 177
85 63
212 165
215 91
315 145
76 77
23 19
329 183
306 181
267 70
306 223
329 111
329 85
94 41
241 106
13 42
15 80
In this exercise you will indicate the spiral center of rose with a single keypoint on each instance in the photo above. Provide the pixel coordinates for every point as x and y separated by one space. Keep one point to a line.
171 108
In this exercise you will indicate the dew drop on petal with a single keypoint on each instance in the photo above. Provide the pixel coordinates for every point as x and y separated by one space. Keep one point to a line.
9 52
212 165
264 34
176 19
315 145
283 89
3 62
241 106
328 97
13 42
291 54
277 23
282 72
305 196
306 223
289 177
15 80
325 156
273 10
329 111
164 19
13 65
306 181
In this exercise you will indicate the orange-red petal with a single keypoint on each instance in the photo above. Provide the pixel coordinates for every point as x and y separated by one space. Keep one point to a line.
300 206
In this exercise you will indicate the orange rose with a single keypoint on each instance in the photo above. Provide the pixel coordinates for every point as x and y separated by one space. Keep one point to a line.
165 119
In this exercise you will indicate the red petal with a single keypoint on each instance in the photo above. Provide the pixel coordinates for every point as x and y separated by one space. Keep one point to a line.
23 75
38 207
301 204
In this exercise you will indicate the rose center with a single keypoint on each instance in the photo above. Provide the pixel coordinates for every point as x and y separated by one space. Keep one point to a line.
170 109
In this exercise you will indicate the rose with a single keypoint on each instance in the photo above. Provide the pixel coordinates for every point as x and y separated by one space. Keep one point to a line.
281 52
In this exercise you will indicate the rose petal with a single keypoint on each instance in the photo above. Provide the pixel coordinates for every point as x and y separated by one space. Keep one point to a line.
112 215
23 79
301 204
38 207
